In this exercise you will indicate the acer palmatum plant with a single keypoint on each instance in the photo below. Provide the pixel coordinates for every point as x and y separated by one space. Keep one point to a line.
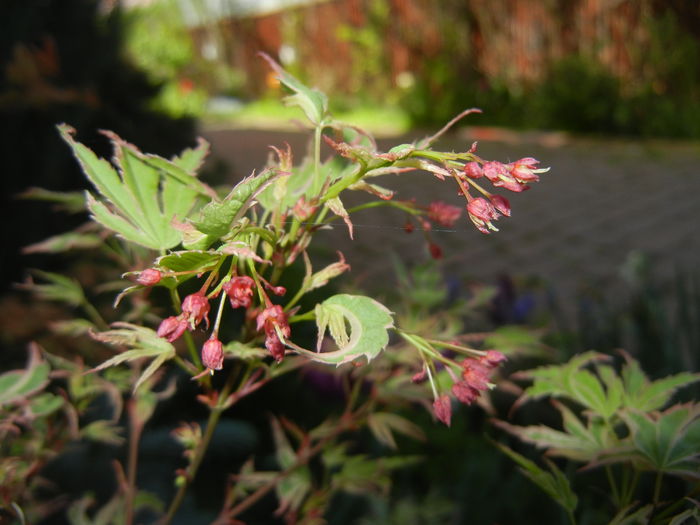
213 254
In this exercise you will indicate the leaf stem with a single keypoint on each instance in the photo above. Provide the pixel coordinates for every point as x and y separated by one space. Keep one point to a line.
613 486
657 487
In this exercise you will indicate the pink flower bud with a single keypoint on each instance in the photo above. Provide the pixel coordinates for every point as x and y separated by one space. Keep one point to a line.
464 393
443 214
275 347
270 320
239 290
501 204
435 251
213 354
493 358
481 212
442 407
494 170
473 170
149 277
476 374
171 328
195 307
278 290
525 170
419 377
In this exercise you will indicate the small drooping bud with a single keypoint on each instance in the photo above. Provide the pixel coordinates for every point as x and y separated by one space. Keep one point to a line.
464 393
149 277
271 320
171 328
525 170
195 307
473 170
442 407
213 354
476 374
501 204
239 290
435 251
481 212
409 227
419 377
443 214
493 358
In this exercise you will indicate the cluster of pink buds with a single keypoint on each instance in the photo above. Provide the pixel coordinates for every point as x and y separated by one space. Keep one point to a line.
514 176
240 290
195 308
474 380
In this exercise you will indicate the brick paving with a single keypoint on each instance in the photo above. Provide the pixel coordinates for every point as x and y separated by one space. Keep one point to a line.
601 201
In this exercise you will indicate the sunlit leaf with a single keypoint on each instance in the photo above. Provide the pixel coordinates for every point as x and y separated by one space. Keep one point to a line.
336 206
311 101
216 219
143 194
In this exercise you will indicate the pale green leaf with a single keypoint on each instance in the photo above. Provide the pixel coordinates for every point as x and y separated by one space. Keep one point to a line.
216 219
17 385
142 343
103 431
312 102
336 206
70 202
65 242
384 424
245 352
45 403
59 288
143 196
188 261
368 322
191 159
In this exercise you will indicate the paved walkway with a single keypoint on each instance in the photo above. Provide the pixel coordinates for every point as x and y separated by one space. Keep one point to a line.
601 201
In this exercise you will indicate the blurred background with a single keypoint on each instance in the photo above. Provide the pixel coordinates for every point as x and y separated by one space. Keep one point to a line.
604 251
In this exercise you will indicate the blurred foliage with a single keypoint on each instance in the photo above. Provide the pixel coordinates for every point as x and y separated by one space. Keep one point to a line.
63 61
159 43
